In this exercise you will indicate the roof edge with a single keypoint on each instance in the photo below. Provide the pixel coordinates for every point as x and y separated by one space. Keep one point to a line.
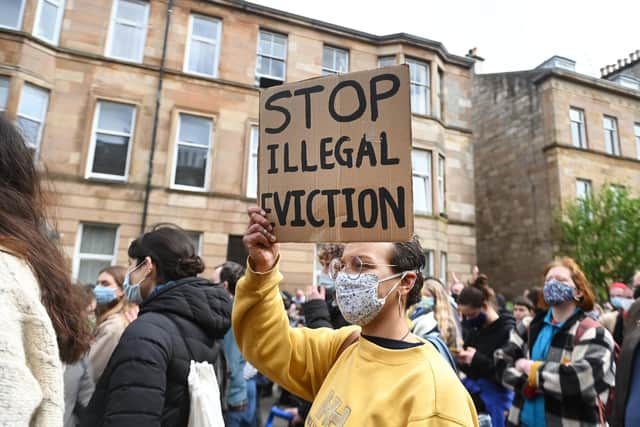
588 80
417 41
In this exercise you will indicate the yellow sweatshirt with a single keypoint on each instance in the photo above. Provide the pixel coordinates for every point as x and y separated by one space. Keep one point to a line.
366 386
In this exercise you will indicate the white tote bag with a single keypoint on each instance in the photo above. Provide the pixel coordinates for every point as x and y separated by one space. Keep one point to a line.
205 396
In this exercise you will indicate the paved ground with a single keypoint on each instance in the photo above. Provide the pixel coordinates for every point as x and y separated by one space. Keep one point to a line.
265 407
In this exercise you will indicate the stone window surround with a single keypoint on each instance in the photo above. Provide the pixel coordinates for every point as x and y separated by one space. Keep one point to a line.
584 133
262 30
614 132
41 120
172 150
176 147
60 4
88 174
218 43
111 31
20 17
330 70
78 257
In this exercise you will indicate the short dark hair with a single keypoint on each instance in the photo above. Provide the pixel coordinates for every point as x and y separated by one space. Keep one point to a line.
523 301
409 256
231 272
170 249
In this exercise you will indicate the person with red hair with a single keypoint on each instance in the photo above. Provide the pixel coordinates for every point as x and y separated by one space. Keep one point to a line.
561 367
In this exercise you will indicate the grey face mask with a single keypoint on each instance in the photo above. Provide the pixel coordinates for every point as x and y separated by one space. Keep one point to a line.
358 298
132 292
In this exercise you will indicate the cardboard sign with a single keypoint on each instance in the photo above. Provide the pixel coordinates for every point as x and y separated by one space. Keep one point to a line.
334 159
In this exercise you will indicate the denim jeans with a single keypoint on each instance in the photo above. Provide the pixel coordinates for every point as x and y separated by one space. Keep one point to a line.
248 417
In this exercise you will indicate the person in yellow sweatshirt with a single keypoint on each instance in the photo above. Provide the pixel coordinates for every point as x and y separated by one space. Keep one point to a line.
369 375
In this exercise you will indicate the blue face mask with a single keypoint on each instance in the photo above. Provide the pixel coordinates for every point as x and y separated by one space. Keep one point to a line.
326 281
427 302
623 303
477 321
104 295
132 291
556 293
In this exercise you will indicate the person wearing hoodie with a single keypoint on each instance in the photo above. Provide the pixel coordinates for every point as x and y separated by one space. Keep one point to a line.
182 318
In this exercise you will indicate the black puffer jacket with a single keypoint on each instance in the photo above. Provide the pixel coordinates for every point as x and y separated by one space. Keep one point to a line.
145 382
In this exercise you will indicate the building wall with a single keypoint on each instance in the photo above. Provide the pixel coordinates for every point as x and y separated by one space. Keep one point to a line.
512 179
527 166
77 75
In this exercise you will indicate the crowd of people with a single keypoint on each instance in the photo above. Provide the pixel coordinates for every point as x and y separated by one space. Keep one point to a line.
373 343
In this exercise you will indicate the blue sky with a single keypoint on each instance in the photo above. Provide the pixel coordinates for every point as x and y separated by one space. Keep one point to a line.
510 35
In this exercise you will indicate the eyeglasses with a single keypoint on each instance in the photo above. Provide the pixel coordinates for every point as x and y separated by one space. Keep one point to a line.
352 268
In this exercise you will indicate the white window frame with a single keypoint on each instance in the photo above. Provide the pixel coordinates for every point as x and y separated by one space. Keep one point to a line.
584 189
382 61
326 70
429 263
442 202
443 267
428 182
20 17
284 60
636 131
92 146
582 126
41 121
112 25
217 42
177 145
425 85
252 159
8 80
616 149
199 241
77 256
58 25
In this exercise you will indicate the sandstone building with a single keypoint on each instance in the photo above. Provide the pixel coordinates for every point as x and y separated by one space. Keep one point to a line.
146 111
544 137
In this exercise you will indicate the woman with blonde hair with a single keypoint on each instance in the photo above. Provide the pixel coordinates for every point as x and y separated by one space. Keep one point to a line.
561 367
434 313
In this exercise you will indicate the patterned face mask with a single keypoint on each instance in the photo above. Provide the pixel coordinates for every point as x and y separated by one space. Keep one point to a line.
358 298
556 293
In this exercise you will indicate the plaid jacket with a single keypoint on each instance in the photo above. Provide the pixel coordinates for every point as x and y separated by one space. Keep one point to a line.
570 379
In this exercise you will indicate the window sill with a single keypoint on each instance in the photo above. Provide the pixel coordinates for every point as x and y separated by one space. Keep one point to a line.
111 179
187 189
126 60
425 215
203 75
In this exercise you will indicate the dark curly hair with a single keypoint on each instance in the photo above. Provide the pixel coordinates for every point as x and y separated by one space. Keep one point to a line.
170 249
409 256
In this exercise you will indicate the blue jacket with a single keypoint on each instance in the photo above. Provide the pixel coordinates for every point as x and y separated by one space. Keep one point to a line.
237 394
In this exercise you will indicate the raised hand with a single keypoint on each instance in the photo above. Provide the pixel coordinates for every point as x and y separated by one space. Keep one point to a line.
316 292
260 241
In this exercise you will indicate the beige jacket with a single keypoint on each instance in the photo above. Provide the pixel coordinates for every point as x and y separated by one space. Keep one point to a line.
31 385
110 327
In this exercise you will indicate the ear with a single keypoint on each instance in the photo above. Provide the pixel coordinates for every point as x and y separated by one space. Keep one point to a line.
226 285
150 268
408 282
